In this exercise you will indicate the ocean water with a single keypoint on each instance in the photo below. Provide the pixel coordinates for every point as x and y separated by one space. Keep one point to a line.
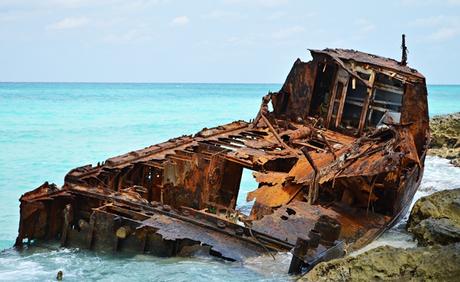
48 128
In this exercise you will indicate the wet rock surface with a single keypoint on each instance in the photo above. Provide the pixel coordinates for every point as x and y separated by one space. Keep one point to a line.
433 263
445 137
435 219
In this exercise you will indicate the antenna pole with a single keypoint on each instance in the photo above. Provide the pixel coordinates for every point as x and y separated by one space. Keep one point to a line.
404 51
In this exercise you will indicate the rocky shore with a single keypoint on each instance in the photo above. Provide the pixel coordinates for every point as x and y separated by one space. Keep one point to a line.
435 219
435 223
434 263
445 137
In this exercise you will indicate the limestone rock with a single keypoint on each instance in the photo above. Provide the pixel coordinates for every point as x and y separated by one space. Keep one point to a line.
435 219
445 137
433 263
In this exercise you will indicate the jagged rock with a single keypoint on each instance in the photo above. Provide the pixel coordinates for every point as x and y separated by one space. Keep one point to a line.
433 263
435 219
445 137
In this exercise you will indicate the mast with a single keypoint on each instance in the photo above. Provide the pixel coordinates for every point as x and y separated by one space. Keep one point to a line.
404 51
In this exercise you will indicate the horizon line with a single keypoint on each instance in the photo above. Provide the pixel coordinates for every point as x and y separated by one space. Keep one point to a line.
143 82
169 82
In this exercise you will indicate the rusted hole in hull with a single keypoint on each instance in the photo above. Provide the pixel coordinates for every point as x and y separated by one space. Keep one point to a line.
290 211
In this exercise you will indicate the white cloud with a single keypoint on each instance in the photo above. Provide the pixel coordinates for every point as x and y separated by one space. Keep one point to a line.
439 28
430 21
70 23
180 21
445 33
288 32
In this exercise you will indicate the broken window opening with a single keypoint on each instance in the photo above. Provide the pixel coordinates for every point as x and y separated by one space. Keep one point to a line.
354 102
290 211
387 101
323 89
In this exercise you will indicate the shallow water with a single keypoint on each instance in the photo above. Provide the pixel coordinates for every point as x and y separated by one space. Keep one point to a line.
47 129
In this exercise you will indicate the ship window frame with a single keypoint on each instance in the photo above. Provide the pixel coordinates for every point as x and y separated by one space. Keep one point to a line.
358 101
387 97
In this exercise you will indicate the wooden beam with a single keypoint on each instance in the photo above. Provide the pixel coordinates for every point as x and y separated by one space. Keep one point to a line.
342 104
332 97
362 119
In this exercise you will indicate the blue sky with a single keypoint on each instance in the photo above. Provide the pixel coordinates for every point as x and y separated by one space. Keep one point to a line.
215 41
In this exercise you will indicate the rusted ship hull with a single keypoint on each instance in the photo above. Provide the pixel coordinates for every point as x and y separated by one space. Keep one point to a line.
338 160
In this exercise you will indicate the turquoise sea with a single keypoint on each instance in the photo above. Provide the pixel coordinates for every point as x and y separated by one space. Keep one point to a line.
48 128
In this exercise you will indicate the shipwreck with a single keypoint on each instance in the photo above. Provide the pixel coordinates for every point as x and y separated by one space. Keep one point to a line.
338 153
